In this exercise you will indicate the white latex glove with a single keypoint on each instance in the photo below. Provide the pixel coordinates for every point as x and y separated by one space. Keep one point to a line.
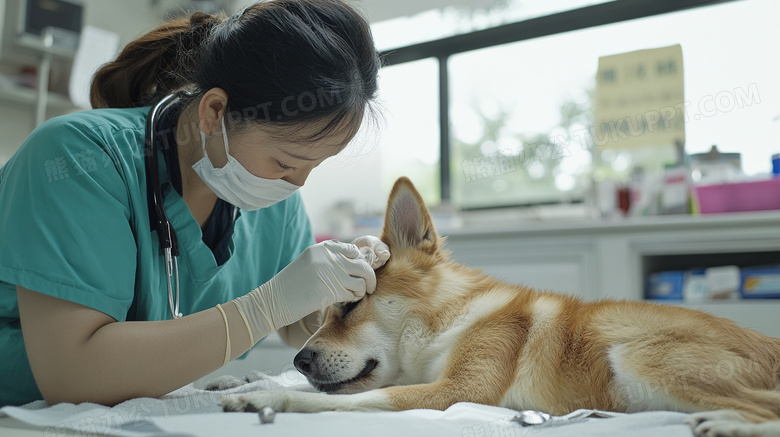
322 275
373 250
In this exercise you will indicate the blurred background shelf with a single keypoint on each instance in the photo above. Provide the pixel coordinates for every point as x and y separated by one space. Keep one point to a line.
28 96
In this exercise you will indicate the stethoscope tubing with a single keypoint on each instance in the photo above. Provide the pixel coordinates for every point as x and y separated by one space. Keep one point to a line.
169 243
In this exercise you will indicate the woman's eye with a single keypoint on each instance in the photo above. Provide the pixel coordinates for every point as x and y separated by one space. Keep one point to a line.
284 166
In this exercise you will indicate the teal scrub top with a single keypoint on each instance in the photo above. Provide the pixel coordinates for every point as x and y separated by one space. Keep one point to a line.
74 224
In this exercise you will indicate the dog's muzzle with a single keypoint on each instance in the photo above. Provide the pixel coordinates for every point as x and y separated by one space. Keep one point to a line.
306 363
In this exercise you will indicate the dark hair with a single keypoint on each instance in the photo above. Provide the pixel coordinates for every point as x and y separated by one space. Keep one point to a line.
282 62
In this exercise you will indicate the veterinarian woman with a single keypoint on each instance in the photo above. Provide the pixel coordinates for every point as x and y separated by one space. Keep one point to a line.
254 103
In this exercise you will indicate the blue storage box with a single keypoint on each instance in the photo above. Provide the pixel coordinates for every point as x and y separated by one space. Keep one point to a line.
760 282
665 285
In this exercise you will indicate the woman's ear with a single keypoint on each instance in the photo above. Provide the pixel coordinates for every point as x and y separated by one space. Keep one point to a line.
211 109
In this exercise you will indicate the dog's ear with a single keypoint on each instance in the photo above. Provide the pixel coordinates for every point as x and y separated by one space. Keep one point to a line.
407 221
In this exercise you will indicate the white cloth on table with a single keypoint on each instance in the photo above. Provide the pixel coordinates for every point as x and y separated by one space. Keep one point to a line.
195 412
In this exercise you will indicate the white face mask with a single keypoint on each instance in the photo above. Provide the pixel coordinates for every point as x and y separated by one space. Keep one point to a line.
236 185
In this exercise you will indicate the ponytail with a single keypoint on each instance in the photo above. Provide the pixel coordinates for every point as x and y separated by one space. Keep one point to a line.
153 65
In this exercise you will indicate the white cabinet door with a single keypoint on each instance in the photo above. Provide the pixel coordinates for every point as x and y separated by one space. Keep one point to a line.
554 264
563 277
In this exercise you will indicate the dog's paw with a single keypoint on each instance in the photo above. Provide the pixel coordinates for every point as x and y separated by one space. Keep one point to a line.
256 401
717 423
279 400
224 382
726 423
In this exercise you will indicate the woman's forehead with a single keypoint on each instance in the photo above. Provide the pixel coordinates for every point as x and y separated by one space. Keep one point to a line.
334 131
304 143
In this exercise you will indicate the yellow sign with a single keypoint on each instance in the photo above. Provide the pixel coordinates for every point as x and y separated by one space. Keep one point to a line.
639 99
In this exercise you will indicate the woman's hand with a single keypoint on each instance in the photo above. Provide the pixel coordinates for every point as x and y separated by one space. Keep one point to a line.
322 275
374 252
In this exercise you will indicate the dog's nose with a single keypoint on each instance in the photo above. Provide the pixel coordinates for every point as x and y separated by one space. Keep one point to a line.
303 361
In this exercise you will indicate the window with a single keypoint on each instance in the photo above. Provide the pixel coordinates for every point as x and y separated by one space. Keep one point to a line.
463 17
517 110
514 112
409 142
729 94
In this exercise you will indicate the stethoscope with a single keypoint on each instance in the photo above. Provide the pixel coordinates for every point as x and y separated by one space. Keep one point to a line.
169 244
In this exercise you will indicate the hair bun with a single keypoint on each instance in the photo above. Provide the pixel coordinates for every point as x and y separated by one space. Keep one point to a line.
200 19
191 43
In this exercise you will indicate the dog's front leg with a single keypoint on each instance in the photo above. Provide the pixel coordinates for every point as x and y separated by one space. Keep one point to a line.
439 395
429 396
305 402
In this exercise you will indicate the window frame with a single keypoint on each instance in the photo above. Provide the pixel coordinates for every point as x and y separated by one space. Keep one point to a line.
561 22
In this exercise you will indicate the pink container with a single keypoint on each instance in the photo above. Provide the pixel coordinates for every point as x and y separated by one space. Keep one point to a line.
736 197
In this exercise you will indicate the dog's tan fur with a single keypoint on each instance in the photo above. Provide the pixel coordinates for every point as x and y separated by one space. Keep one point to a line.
444 333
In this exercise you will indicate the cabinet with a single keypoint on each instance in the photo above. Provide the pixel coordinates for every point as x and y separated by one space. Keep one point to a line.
597 260
543 260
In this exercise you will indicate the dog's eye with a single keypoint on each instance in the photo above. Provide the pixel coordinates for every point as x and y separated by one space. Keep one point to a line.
346 307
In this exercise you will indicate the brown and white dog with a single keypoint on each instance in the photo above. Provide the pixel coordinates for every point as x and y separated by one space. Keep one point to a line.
435 333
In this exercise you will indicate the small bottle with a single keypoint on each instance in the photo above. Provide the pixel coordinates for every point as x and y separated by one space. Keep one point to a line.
776 165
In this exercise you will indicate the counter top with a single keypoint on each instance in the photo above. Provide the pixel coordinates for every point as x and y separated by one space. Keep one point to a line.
622 225
507 224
